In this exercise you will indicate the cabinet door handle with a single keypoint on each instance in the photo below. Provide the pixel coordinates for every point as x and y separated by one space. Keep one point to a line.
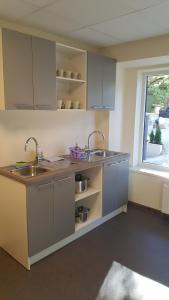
63 179
97 106
108 107
43 186
117 163
102 107
44 107
24 106
113 164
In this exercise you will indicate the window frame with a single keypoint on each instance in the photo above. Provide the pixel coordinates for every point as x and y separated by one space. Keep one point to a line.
141 107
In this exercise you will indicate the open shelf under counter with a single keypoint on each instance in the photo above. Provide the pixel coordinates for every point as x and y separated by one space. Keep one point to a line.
70 79
91 191
90 220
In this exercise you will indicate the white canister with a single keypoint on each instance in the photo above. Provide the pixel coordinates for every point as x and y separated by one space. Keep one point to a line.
76 104
68 104
59 103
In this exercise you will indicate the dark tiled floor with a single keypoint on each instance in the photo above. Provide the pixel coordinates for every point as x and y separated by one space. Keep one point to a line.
138 240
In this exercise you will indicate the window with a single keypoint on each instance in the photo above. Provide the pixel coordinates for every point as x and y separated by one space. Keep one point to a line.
156 121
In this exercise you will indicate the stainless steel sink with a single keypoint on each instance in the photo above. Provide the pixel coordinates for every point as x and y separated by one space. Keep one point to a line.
102 153
106 153
29 171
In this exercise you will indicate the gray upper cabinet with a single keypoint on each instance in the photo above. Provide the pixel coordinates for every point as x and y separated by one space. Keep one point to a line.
44 73
29 71
101 77
115 185
17 66
64 208
109 81
94 81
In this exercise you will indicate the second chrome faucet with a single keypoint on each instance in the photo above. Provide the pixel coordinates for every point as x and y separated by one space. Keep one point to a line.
92 133
36 161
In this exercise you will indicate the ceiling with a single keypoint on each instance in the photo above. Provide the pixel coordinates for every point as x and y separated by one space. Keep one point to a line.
100 23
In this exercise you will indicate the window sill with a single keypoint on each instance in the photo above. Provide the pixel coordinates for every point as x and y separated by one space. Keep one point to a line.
151 172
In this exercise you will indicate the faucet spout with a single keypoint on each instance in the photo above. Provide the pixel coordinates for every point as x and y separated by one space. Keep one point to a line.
94 132
36 145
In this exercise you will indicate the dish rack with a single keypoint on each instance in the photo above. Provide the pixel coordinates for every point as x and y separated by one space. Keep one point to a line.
77 153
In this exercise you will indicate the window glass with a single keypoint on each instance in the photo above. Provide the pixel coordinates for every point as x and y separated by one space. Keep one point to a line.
156 121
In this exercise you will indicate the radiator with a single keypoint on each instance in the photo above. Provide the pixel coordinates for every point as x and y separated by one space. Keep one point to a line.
165 199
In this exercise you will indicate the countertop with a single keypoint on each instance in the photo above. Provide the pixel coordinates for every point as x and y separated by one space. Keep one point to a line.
61 168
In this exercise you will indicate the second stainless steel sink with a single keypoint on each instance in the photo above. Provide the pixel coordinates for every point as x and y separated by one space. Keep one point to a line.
102 153
29 171
106 153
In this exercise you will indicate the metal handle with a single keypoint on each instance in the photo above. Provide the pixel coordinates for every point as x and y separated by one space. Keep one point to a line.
43 186
117 162
41 107
63 179
107 107
112 164
97 106
24 106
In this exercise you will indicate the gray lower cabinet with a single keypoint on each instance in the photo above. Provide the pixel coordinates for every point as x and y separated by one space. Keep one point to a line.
29 66
101 79
115 185
50 213
40 217
64 208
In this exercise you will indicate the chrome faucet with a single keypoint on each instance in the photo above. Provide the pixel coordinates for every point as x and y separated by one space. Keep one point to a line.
94 132
37 147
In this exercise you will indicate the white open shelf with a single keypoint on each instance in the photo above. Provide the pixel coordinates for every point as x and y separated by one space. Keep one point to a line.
79 226
92 198
91 191
68 50
73 60
70 79
71 109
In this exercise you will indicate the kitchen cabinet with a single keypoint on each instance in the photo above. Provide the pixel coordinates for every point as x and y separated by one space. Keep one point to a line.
37 215
115 185
44 73
17 70
28 76
101 78
40 218
50 213
64 208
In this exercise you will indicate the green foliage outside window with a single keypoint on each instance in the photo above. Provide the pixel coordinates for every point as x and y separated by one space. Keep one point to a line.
155 138
157 91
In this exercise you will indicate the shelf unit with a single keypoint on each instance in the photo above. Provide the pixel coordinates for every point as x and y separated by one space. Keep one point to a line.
90 191
79 226
70 79
92 198
74 60
70 109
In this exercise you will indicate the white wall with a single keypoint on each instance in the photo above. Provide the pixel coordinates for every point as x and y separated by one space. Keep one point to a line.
121 123
146 189
55 131
124 128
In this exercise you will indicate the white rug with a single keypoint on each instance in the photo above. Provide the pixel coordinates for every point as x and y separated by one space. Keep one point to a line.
122 283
